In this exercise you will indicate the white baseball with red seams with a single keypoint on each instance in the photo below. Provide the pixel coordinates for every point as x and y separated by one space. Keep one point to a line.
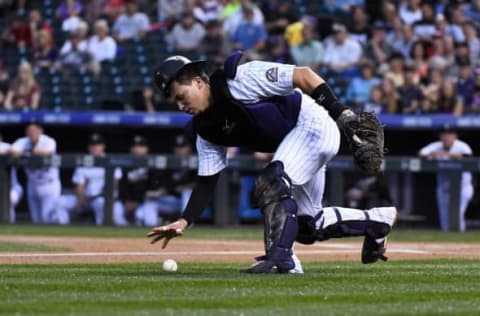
170 265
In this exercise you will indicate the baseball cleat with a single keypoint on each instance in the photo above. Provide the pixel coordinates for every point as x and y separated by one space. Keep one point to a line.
374 249
265 264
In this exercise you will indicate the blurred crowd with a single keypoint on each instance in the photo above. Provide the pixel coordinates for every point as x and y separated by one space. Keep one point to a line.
399 57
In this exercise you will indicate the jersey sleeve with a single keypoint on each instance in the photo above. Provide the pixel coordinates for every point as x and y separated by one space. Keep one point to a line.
211 158
79 176
47 143
19 145
257 80
465 149
117 174
427 150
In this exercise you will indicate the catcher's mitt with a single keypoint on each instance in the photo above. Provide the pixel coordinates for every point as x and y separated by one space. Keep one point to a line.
366 141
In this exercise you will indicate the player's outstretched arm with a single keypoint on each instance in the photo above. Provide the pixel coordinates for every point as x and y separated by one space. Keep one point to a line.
202 194
168 232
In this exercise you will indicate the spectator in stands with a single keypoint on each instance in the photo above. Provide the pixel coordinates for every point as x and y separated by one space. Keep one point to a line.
475 107
449 147
465 82
359 28
93 10
71 22
169 11
16 190
389 12
249 36
425 27
410 92
442 53
17 33
342 53
131 24
115 8
214 46
419 58
473 41
342 7
431 87
37 24
63 11
410 12
358 91
76 57
186 35
231 23
4 79
401 38
89 188
45 53
310 51
378 48
277 50
396 66
293 33
278 15
102 46
80 36
456 17
24 92
449 102
390 95
444 29
139 184
207 10
375 104
472 10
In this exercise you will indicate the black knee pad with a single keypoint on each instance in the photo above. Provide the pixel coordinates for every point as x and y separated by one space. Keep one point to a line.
272 185
307 232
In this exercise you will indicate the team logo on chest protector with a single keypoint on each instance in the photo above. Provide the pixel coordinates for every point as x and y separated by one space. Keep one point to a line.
272 74
228 127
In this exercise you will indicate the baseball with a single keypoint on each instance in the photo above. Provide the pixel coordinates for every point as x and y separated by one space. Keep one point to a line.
170 265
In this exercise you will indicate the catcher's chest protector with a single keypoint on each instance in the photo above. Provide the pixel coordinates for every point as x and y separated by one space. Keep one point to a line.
259 127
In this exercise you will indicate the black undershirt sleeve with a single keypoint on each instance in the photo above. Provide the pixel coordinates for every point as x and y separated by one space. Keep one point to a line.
202 194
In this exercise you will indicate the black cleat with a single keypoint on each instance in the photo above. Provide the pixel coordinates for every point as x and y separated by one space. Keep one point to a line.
373 250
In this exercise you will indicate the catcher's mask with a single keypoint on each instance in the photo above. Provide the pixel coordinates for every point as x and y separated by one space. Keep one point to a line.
170 68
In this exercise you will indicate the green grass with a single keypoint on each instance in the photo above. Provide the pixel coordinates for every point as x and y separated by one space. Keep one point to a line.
236 233
6 246
447 287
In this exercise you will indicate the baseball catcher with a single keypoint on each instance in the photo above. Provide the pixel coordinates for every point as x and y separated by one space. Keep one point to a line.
291 112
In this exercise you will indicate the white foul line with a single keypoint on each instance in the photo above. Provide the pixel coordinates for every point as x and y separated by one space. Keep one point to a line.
183 253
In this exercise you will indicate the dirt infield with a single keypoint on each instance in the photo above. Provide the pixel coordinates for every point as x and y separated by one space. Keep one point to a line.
119 250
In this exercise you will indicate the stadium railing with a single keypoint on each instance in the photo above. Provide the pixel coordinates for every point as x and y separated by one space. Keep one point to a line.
336 176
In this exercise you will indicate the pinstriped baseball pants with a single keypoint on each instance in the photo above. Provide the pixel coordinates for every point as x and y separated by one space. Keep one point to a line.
305 151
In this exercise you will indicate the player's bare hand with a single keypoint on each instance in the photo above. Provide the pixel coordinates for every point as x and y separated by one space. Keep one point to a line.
168 232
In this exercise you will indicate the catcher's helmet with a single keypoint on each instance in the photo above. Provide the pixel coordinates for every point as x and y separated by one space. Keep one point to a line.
169 68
